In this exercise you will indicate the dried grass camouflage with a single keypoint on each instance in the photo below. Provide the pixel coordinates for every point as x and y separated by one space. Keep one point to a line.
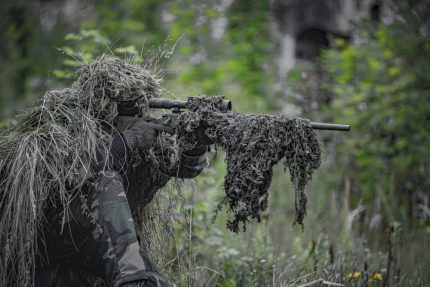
51 147
253 145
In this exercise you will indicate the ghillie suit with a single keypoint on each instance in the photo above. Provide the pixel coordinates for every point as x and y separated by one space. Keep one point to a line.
253 145
56 159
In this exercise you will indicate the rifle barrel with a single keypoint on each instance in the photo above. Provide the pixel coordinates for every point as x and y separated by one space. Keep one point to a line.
327 126
160 103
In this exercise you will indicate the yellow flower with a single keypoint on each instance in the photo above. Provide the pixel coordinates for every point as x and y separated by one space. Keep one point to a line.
377 276
353 275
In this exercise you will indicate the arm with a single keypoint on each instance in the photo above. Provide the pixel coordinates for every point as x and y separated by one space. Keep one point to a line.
188 164
191 163
138 137
177 163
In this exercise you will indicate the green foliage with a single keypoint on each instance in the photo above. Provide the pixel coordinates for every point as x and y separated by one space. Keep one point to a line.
234 62
133 22
81 49
378 84
26 54
372 178
380 88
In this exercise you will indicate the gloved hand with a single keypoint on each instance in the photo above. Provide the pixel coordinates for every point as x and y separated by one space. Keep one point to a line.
141 135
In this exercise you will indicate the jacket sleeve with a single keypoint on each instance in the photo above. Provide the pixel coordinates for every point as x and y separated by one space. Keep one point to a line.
191 163
115 159
187 164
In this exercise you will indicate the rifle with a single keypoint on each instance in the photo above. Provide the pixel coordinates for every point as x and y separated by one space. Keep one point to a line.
169 120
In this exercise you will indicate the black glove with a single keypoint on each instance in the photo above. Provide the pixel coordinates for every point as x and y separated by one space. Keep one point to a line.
141 135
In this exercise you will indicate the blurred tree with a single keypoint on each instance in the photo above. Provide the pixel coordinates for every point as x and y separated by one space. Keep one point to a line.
25 54
226 49
379 84
131 22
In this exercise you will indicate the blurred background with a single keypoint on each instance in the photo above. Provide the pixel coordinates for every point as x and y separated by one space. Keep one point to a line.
358 62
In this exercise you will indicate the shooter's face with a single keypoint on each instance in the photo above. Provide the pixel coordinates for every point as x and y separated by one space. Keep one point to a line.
128 112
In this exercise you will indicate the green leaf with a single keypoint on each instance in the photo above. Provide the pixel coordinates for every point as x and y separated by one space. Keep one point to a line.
212 13
61 74
71 37
127 50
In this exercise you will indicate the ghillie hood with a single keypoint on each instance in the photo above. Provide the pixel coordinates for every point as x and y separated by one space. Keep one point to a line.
52 145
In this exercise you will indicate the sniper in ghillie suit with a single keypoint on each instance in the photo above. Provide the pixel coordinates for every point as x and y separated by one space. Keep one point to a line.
78 170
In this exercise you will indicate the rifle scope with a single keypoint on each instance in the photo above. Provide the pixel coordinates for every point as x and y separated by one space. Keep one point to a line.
160 103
